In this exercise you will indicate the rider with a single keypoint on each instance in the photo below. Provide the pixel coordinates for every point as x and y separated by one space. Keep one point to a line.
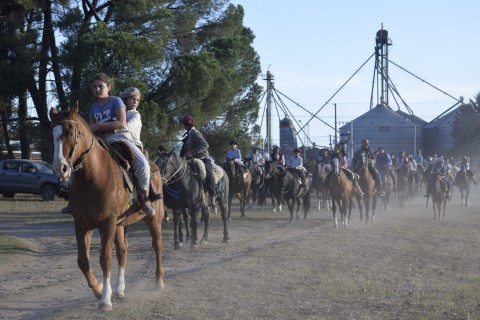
235 154
108 117
465 165
131 98
276 155
256 158
383 160
339 153
365 148
195 146
295 163
438 169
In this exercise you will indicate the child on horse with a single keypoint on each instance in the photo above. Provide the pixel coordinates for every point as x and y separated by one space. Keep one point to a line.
365 148
438 169
235 154
131 98
108 118
295 164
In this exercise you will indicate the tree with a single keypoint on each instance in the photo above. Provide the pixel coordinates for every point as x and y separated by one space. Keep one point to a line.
466 128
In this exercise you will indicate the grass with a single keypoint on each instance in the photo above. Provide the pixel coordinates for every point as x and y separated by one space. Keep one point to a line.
10 245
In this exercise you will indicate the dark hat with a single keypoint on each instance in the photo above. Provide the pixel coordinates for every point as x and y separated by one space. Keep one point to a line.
254 148
296 150
188 121
323 150
233 142
379 148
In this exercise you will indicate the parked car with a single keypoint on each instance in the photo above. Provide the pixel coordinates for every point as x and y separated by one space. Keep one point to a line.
32 177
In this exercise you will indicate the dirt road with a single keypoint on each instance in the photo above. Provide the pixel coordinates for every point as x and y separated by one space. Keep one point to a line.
405 266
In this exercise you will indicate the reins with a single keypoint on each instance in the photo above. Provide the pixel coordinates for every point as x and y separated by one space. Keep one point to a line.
167 181
78 134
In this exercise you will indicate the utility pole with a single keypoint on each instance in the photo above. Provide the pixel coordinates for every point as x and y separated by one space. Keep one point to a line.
269 111
336 138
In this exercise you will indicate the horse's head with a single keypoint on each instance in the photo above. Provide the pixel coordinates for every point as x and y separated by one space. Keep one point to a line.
169 164
336 167
363 161
72 141
230 167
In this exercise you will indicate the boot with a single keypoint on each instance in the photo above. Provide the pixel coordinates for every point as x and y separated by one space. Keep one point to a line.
358 190
212 204
152 195
147 205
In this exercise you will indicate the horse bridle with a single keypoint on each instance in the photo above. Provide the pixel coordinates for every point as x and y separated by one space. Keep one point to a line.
78 135
182 164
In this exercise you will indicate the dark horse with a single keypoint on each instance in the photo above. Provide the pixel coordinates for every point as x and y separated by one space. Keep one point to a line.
368 186
257 188
97 197
463 182
403 184
241 190
292 190
321 189
438 191
387 183
272 176
341 191
186 186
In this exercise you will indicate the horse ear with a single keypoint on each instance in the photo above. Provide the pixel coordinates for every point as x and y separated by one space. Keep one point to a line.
74 109
53 112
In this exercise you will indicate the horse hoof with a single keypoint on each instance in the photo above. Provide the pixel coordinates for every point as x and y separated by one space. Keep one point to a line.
204 242
226 240
178 246
120 296
104 307
243 216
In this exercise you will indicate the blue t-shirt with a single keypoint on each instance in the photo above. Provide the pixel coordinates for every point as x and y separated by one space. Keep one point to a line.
107 112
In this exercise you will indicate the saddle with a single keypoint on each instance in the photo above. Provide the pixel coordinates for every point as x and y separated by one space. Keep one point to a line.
198 167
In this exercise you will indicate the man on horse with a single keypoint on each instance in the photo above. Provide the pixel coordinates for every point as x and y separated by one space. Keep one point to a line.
235 154
340 154
383 160
295 164
256 158
438 169
365 148
276 155
195 146
465 165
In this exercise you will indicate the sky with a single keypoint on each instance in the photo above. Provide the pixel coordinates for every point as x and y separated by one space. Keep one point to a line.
312 47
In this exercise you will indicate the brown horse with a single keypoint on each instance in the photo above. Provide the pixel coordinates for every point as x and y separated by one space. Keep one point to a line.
235 173
341 191
97 198
463 182
438 191
368 186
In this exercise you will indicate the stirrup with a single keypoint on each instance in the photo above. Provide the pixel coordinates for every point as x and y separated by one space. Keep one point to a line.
148 210
152 197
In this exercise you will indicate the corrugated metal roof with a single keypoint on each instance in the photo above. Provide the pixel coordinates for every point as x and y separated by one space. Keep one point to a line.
445 120
417 120
380 116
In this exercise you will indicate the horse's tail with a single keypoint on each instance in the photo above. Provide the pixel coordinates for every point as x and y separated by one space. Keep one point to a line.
306 202
426 205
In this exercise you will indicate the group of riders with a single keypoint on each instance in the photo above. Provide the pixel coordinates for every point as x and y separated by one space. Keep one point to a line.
378 161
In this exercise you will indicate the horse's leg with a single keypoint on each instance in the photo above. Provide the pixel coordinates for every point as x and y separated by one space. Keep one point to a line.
107 234
176 229
83 247
367 208
155 228
194 222
230 198
374 206
206 220
334 209
360 208
187 226
241 200
121 249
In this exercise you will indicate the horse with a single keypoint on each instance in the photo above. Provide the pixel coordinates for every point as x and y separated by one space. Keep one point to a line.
235 173
272 176
421 176
257 186
387 183
463 182
187 188
321 189
368 186
97 198
403 184
288 187
341 191
438 191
